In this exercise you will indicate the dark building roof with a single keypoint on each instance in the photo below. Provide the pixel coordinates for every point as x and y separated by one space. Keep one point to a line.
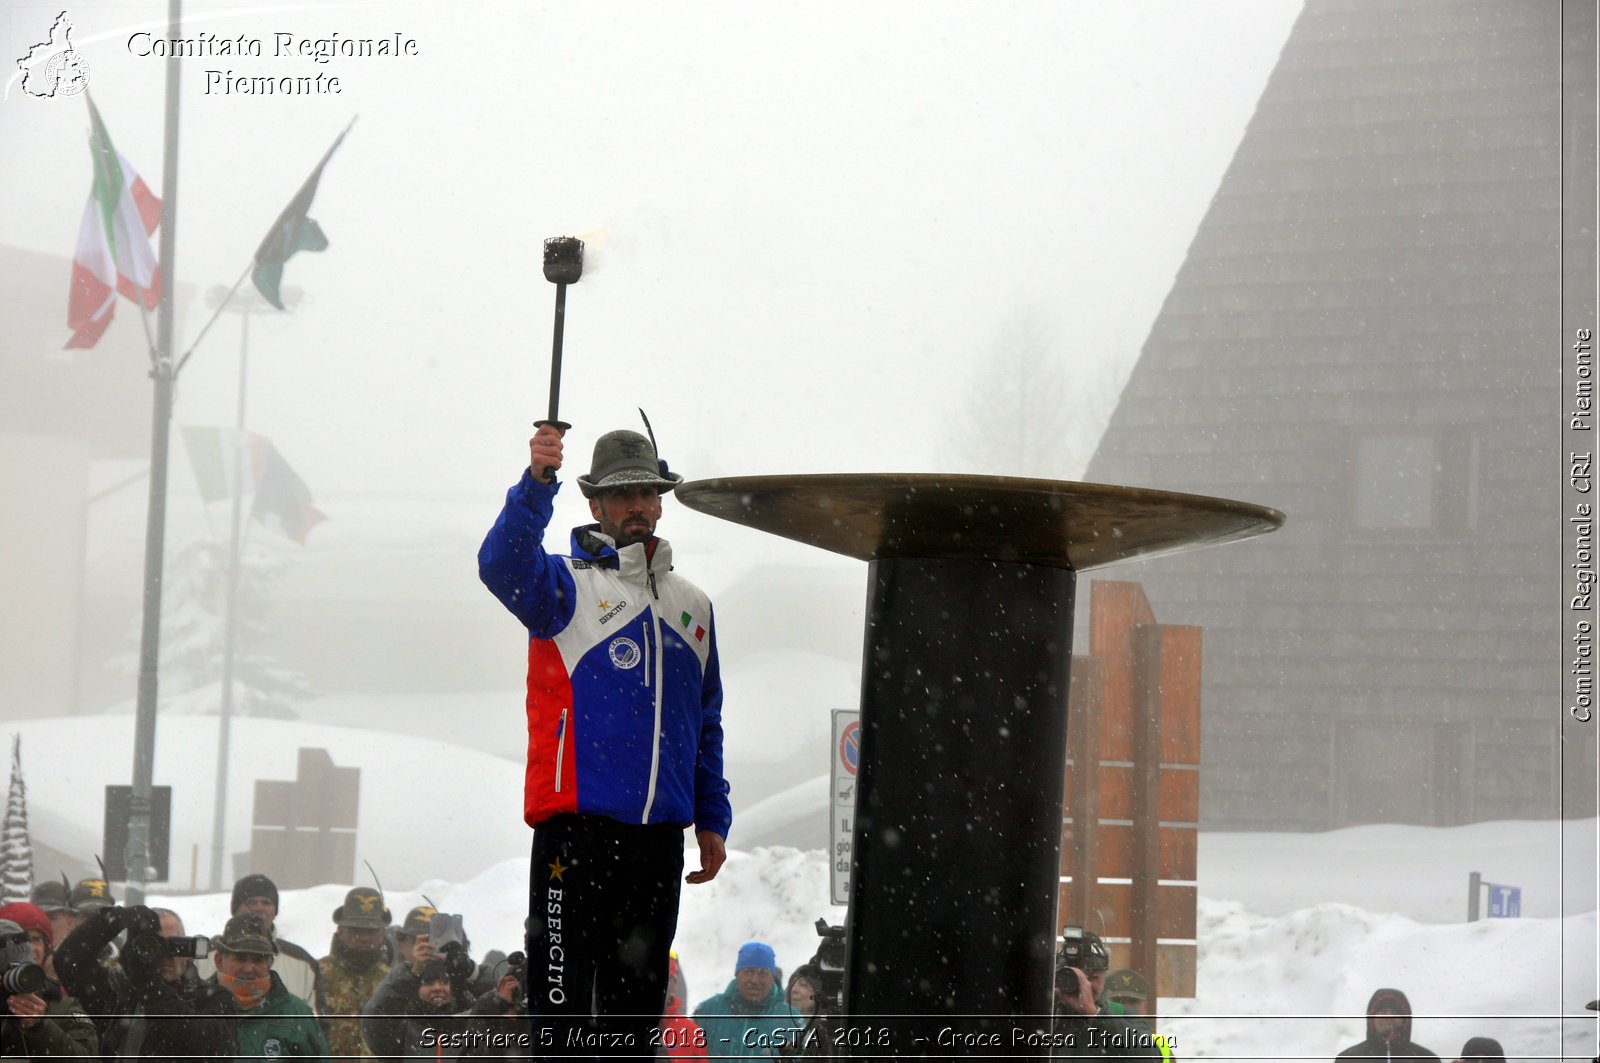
1364 336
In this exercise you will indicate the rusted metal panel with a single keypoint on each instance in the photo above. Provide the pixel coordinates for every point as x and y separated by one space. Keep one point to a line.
1112 914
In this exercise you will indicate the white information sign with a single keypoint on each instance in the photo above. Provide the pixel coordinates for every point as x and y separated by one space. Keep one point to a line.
842 797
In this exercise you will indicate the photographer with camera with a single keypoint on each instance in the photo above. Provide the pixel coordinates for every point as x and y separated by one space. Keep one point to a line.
497 1024
816 994
152 1004
40 1020
805 985
1082 1029
421 996
418 1026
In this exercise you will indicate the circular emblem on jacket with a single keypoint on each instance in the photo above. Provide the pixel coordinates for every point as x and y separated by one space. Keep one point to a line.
273 1048
624 652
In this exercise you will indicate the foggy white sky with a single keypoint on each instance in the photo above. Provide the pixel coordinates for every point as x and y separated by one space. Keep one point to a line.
815 217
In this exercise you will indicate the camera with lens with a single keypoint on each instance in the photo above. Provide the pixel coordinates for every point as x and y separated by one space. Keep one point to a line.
517 962
145 947
26 977
149 949
1083 949
18 973
449 939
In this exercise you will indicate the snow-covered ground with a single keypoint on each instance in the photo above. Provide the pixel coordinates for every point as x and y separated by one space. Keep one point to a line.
428 807
1270 986
1295 930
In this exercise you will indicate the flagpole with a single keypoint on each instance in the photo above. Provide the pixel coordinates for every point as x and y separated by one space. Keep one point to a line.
213 319
138 853
236 543
144 319
230 624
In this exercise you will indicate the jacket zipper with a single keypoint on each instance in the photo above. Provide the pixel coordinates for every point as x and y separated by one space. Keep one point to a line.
561 746
655 745
645 673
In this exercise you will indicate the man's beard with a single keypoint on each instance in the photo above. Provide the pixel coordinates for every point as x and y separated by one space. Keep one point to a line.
357 957
630 532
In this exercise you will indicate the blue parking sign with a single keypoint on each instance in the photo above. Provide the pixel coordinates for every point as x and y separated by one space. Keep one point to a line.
1505 902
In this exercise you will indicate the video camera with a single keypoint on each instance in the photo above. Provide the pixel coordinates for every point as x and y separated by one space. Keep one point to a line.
145 947
1082 949
825 969
829 962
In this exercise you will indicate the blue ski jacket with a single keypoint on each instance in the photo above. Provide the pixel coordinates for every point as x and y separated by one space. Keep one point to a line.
624 696
736 1028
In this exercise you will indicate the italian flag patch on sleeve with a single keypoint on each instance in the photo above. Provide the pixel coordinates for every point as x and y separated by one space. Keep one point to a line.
687 623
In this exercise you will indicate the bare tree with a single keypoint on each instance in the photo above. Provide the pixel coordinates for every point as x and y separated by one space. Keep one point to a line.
1025 412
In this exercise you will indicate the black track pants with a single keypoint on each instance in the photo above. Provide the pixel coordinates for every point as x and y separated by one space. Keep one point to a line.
602 911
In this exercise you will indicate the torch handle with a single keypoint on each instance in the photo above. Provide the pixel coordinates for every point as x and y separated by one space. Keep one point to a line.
555 373
563 265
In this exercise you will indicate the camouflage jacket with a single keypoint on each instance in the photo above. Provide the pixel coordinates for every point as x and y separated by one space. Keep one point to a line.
348 987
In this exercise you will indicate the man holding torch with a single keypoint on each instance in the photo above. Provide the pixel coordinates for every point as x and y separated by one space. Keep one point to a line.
624 706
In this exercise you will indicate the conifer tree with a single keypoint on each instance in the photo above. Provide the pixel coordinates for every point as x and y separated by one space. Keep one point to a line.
16 851
193 627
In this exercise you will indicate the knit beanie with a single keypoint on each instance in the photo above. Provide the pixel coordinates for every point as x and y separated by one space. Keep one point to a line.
1485 1048
756 954
253 886
29 917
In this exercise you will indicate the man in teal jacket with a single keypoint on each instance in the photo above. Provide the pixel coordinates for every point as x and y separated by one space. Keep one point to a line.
273 1022
750 1017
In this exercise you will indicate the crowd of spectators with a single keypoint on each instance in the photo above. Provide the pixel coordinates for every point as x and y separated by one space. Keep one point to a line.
81 975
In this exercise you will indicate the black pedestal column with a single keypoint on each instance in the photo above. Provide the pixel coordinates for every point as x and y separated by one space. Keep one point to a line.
952 918
958 800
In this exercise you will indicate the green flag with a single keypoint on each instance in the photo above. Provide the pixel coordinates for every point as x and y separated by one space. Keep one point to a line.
291 233
213 454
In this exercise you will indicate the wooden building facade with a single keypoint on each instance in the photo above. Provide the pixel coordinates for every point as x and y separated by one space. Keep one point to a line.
1365 335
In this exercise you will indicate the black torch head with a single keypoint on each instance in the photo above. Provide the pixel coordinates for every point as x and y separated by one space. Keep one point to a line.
563 259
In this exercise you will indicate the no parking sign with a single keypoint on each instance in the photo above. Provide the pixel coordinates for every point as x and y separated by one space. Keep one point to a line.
842 789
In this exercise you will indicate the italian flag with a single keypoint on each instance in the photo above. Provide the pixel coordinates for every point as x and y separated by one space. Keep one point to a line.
214 454
282 499
114 253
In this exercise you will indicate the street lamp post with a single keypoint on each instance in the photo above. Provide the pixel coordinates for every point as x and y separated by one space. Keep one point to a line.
246 303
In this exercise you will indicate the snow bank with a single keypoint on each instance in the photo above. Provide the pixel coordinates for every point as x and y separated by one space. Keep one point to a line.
1295 930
